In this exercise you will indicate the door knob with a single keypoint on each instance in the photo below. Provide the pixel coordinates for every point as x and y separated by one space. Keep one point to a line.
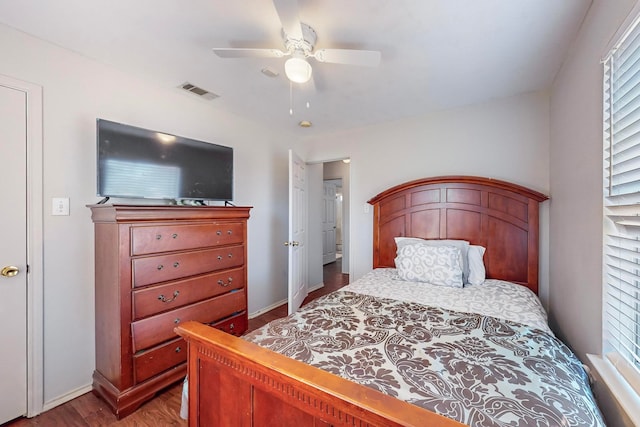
10 271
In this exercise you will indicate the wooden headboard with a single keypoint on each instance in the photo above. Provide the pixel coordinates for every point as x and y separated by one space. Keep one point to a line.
502 217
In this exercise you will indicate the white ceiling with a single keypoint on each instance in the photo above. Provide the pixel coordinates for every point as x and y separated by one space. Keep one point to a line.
436 54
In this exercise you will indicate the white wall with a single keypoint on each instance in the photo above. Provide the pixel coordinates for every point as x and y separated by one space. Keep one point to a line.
576 182
576 185
76 91
506 139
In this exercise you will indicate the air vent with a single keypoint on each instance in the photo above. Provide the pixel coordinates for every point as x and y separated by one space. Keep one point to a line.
198 91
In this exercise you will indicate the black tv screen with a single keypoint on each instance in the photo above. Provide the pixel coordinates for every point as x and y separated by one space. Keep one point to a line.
139 163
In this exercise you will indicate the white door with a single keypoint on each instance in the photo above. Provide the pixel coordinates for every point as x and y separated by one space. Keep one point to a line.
329 223
13 254
297 231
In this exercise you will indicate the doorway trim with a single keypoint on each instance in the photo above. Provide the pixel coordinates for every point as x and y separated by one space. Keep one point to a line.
35 258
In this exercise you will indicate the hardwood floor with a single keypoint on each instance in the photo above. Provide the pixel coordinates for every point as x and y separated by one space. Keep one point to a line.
164 409
333 279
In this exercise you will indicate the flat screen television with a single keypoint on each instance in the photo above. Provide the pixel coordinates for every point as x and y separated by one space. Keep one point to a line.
139 163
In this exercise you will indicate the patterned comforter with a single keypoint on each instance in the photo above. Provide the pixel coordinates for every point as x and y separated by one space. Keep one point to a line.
480 370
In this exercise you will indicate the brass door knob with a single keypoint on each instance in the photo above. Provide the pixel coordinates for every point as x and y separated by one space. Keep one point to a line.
10 271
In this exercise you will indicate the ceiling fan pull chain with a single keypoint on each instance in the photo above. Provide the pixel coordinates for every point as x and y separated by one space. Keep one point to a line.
290 98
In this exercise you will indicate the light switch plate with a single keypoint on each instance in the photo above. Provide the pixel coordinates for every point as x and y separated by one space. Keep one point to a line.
60 206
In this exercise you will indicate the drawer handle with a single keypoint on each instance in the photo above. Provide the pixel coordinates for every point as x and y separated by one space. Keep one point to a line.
164 299
178 349
222 283
229 232
160 267
177 320
231 326
219 257
176 264
218 232
159 236
230 255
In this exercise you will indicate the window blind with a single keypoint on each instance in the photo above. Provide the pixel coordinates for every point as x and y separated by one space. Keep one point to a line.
621 136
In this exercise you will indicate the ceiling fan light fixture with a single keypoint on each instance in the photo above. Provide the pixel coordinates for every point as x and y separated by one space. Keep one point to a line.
297 69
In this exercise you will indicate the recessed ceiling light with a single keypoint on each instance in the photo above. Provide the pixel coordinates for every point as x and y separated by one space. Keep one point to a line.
305 124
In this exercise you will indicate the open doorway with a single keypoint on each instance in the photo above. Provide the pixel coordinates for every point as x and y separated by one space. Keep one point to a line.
328 242
331 220
339 223
335 270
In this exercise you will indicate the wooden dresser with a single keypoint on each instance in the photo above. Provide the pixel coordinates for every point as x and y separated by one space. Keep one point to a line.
157 267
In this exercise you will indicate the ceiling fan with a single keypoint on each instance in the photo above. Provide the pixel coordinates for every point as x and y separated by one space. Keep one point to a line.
299 42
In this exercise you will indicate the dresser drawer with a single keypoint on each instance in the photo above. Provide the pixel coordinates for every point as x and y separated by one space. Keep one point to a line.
159 359
235 325
156 299
166 238
156 329
162 268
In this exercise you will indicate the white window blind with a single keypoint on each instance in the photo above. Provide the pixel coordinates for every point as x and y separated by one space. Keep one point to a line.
622 200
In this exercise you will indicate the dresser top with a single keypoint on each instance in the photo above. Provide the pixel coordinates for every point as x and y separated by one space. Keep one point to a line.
134 213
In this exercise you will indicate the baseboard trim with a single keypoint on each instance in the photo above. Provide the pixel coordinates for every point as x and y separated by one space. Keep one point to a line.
65 398
316 287
267 308
281 302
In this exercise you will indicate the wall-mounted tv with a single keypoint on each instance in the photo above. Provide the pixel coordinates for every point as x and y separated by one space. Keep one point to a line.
139 163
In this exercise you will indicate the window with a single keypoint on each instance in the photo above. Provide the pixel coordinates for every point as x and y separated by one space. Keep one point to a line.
622 204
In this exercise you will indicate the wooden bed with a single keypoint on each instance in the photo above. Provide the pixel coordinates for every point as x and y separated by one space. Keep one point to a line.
502 217
233 382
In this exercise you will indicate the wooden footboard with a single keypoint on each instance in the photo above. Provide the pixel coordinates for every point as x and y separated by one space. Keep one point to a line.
233 382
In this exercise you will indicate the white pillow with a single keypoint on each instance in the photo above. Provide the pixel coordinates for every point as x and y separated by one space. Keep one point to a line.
462 245
477 272
438 265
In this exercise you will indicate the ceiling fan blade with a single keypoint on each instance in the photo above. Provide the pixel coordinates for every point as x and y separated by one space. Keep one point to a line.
289 18
230 52
365 58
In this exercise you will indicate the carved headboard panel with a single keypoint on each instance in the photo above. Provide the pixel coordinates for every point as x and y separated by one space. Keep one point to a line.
502 217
